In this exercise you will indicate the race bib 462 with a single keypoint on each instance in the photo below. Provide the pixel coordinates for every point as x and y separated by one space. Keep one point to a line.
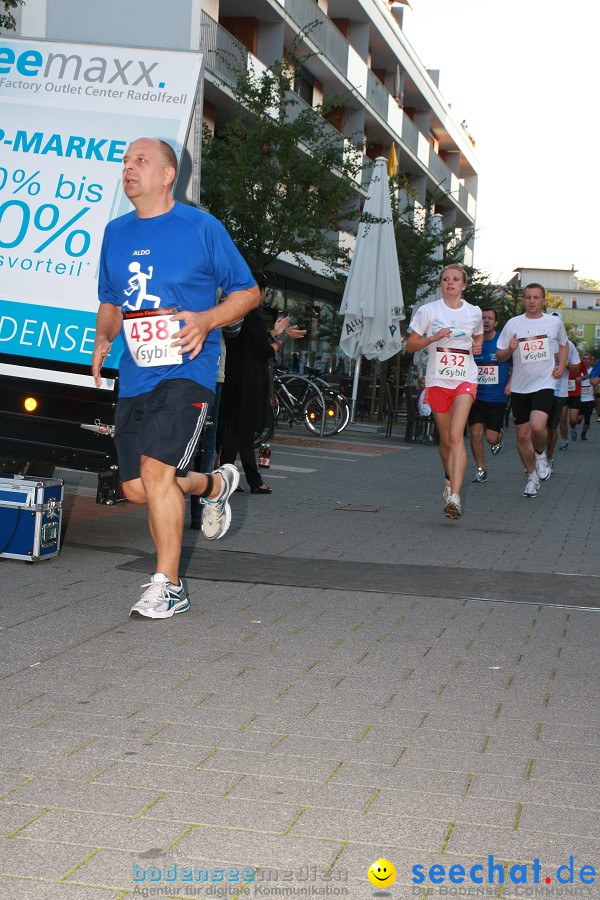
534 349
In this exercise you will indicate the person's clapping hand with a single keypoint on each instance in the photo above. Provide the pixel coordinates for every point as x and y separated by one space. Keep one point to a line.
294 332
280 325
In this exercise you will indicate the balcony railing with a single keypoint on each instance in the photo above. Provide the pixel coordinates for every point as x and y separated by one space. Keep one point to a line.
410 134
440 172
225 57
377 95
329 39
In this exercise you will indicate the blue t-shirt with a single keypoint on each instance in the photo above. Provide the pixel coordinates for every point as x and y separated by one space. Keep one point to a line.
181 259
595 373
490 370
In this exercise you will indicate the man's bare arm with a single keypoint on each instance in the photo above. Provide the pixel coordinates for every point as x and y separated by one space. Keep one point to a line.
108 325
190 339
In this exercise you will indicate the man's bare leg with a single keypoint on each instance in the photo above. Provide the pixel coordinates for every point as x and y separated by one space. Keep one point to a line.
164 493
525 447
476 436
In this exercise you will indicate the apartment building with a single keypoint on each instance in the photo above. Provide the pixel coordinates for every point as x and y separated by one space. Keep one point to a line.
358 49
582 305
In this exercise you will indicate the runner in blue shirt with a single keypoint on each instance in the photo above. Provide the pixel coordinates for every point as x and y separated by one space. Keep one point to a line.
493 390
161 268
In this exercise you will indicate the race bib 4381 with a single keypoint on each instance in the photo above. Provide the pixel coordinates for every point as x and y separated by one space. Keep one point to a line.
149 334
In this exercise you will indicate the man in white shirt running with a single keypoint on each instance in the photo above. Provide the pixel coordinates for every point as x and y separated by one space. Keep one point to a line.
529 339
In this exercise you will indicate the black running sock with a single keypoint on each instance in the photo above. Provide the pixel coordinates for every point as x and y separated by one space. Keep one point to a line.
208 489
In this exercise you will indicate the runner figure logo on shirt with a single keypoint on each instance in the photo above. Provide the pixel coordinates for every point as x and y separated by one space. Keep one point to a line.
138 282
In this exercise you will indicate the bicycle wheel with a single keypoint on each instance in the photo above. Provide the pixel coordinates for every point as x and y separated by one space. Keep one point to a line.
333 420
262 437
345 407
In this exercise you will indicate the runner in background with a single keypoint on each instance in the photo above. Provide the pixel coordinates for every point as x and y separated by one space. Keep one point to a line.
576 376
595 382
587 397
453 330
558 411
493 390
529 339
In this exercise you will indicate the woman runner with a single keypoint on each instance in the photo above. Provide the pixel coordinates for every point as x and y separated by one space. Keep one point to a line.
455 328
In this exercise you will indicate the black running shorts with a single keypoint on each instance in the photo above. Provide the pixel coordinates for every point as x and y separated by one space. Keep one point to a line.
489 414
555 412
164 424
523 404
587 408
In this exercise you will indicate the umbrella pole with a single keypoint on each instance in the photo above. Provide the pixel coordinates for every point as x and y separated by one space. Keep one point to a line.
355 389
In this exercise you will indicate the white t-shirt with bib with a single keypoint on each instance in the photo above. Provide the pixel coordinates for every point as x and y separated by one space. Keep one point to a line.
533 360
562 384
446 367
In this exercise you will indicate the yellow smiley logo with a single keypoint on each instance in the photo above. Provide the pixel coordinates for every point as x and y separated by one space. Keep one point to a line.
381 873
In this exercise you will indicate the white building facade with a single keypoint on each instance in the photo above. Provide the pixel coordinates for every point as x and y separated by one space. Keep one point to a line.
359 50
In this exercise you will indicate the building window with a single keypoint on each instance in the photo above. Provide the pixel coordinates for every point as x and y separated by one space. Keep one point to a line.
573 302
597 303
597 334
580 331
304 84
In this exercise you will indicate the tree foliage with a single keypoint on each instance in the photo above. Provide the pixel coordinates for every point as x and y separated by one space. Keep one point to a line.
508 302
7 20
277 174
424 249
590 284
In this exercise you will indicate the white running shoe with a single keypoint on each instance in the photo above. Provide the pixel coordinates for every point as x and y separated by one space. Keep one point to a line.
532 487
161 600
452 509
216 514
542 467
447 493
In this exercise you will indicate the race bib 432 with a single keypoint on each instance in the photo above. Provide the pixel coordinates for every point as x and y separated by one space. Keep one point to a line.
451 364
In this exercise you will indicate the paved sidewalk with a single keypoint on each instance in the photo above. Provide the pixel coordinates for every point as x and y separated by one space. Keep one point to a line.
306 728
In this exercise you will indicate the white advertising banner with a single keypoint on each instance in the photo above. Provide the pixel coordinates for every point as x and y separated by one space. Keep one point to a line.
67 114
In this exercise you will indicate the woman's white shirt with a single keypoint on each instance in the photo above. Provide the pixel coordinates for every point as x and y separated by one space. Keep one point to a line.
463 323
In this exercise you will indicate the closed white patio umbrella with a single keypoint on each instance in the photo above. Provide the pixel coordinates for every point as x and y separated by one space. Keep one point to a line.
372 304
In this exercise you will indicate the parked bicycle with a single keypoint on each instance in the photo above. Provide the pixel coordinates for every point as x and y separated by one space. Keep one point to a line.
307 400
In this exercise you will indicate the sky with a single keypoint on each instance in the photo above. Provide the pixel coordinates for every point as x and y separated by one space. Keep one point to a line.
523 74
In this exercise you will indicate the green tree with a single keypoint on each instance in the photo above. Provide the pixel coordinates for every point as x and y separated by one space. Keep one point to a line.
277 174
7 20
590 284
508 302
420 244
